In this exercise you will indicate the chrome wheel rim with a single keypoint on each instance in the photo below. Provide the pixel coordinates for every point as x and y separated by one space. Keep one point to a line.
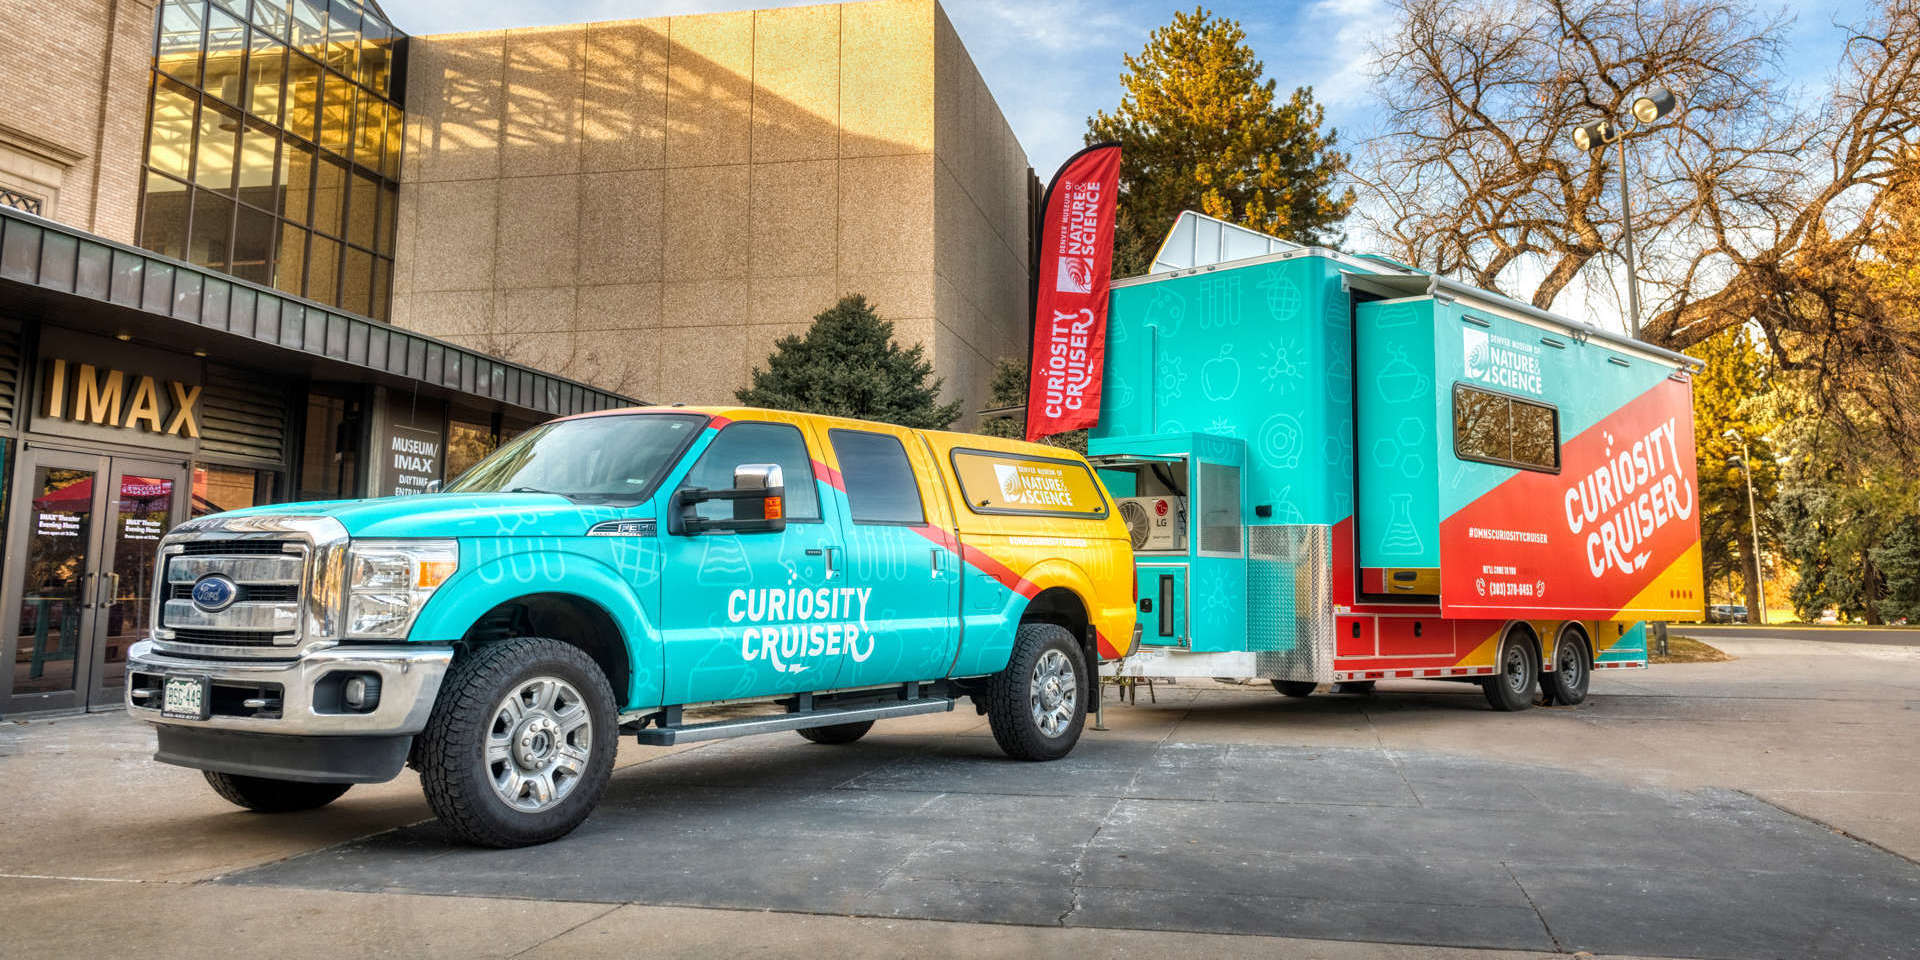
1054 693
538 744
1515 667
1570 664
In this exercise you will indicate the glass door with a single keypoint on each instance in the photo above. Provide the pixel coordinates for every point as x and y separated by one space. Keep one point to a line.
141 507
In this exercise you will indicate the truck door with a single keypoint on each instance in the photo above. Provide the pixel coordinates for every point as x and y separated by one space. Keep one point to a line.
895 524
751 614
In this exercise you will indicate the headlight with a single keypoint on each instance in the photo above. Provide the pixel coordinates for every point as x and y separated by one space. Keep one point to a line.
388 581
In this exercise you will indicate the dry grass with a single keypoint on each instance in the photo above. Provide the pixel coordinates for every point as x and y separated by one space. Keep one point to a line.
1688 650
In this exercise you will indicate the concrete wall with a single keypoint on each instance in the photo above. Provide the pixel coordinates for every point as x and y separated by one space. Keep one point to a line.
73 120
648 205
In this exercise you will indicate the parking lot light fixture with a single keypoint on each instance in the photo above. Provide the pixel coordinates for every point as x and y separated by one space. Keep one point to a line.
1743 461
1604 132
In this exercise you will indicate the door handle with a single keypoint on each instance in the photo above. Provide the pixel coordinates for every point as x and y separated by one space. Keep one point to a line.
828 553
936 562
109 589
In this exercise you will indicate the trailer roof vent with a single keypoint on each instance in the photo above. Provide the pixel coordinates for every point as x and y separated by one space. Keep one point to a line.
1198 240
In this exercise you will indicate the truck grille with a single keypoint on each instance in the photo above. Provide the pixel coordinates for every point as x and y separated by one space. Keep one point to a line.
265 611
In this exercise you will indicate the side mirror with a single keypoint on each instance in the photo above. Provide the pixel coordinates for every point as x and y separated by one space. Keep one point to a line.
759 503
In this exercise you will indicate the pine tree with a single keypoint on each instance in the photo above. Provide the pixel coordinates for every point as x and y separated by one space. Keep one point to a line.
1009 389
1199 130
1724 398
847 365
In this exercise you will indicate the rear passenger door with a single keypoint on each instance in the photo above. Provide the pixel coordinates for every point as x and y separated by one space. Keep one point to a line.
898 533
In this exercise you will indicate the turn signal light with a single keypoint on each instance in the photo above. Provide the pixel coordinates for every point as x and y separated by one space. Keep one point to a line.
776 508
435 572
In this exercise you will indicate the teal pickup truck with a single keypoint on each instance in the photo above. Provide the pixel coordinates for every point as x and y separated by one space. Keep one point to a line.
620 572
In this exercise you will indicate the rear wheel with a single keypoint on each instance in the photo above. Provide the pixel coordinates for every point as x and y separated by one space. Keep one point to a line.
262 795
1038 704
836 733
1294 688
1356 687
1572 669
1516 673
520 743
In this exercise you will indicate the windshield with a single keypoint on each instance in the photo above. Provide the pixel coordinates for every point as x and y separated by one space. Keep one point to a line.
613 457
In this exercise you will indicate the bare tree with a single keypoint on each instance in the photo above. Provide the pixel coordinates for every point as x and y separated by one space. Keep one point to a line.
1747 207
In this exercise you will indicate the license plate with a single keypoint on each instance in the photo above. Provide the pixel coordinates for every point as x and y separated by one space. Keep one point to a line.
186 698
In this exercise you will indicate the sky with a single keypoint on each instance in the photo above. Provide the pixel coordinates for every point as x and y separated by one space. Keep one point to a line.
1051 64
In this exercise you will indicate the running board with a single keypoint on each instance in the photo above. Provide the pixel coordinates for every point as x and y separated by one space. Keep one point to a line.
668 735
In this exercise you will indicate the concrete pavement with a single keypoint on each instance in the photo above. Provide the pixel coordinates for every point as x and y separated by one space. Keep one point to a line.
1718 761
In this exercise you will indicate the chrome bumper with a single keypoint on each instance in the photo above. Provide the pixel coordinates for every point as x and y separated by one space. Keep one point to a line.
410 676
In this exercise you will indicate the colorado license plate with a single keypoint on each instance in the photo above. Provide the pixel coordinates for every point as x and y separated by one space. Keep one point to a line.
186 698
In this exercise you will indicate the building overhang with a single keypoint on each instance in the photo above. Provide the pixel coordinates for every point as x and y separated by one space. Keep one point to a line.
54 273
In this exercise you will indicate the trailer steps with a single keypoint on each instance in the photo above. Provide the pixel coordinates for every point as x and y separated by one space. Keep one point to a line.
667 730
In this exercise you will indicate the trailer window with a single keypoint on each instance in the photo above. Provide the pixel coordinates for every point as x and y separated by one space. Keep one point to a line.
1495 428
1219 509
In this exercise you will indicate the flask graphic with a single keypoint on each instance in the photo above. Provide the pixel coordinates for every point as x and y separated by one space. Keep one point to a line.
1402 538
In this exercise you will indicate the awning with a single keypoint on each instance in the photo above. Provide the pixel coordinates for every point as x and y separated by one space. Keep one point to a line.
53 272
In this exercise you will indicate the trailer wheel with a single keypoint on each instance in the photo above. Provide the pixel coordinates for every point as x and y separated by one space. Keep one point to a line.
1516 674
1294 688
1037 705
836 733
520 743
1572 669
1356 687
262 795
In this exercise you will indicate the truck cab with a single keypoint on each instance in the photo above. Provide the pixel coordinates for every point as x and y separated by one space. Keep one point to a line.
623 571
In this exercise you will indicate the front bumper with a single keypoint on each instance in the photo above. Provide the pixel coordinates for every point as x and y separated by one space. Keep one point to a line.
409 674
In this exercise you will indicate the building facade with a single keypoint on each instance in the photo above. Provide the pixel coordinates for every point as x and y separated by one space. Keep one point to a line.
650 204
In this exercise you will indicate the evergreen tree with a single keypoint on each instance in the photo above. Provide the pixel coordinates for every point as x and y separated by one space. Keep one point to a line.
847 365
1009 389
1725 397
1199 129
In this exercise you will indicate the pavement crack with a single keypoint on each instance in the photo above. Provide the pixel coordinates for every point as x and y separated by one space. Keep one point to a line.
568 930
1392 757
1075 885
1544 925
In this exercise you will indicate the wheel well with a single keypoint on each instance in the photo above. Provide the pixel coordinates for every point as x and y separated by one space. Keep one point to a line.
1581 629
1525 629
1064 608
564 617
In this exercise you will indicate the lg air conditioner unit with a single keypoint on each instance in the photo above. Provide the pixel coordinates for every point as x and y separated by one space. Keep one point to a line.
1155 523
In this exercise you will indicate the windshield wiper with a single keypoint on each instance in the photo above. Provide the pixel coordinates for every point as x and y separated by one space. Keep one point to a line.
529 490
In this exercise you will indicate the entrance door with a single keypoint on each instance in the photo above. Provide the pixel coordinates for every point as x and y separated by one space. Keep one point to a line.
79 577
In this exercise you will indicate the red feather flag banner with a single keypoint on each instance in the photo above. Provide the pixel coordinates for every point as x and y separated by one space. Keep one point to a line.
1073 272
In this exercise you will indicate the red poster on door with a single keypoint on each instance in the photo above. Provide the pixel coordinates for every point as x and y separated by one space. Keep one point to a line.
1074 271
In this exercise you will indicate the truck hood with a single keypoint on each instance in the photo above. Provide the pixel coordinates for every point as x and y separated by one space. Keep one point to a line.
459 515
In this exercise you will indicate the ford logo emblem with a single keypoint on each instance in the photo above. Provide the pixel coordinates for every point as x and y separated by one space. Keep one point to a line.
214 592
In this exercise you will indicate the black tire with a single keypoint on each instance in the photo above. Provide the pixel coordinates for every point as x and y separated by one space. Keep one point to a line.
1014 694
837 733
262 795
1360 688
1294 688
1517 674
452 753
1572 669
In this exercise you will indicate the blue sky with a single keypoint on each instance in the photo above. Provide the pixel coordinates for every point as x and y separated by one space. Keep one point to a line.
1052 63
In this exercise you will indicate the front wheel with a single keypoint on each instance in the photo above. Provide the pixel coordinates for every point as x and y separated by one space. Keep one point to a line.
520 743
262 795
1295 688
1572 670
1517 671
1037 705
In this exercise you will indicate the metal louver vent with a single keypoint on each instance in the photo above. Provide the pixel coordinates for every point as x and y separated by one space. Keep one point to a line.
243 416
9 370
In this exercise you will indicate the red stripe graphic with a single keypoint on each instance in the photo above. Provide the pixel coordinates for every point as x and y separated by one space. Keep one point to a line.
971 555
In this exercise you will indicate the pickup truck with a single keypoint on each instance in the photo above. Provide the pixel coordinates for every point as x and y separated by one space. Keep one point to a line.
627 571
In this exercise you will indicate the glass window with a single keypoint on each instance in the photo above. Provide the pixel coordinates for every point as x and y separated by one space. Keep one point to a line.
356 281
265 73
296 181
329 195
343 38
362 209
219 489
336 116
218 146
163 217
178 53
369 132
54 579
994 482
212 230
271 16
600 457
170 139
323 266
383 227
253 245
309 26
258 164
329 460
226 50
1495 428
879 479
289 262
374 56
468 442
749 442
395 137
1219 509
303 97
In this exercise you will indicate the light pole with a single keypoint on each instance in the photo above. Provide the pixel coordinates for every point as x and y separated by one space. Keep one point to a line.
1600 133
1753 522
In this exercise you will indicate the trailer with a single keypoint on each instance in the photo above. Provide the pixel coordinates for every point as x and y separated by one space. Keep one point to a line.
1337 469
